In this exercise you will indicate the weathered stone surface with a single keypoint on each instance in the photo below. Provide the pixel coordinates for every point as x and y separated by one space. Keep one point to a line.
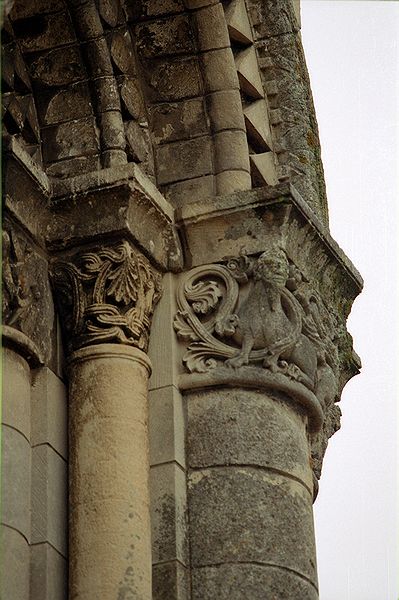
121 51
170 581
184 160
74 167
241 514
284 69
248 73
137 139
15 555
225 110
263 169
244 427
112 132
166 426
151 8
229 582
109 495
183 192
162 348
178 120
73 102
229 182
58 67
48 573
231 151
23 10
131 96
16 480
49 411
106 295
16 392
219 70
97 55
168 513
167 36
44 32
76 138
238 22
173 79
271 18
211 28
49 498
27 299
107 94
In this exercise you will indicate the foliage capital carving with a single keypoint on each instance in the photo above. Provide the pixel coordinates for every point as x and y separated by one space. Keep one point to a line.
262 312
107 294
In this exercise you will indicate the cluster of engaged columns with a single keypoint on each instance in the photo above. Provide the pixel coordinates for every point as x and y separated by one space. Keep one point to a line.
201 395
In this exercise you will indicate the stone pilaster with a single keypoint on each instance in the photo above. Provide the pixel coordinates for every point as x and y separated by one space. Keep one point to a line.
106 296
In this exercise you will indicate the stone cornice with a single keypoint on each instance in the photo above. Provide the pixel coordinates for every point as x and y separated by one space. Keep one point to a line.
242 204
112 203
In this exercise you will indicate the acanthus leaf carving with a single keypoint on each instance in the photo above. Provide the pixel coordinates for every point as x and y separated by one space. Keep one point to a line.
107 295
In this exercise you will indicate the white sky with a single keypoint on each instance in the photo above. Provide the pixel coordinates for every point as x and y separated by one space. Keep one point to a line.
352 54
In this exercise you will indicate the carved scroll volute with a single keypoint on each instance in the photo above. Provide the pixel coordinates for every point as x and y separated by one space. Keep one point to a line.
107 294
261 312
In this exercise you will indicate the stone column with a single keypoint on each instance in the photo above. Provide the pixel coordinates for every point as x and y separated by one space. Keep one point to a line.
264 356
106 297
16 475
250 496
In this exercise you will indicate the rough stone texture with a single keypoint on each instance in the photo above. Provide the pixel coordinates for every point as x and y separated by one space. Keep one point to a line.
48 573
227 582
225 110
231 151
183 160
168 513
243 427
286 81
173 79
183 192
242 514
27 301
219 70
90 86
178 120
75 138
170 580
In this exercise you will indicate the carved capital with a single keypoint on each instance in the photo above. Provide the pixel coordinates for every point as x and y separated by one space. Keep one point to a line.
107 294
27 305
261 314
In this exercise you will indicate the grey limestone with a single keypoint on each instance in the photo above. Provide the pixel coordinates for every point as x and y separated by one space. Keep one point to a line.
16 481
49 498
49 411
48 573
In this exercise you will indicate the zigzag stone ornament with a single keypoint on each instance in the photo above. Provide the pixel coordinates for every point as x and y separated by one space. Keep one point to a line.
106 295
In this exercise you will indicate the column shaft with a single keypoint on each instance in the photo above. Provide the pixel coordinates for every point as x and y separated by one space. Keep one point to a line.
250 497
16 478
110 545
